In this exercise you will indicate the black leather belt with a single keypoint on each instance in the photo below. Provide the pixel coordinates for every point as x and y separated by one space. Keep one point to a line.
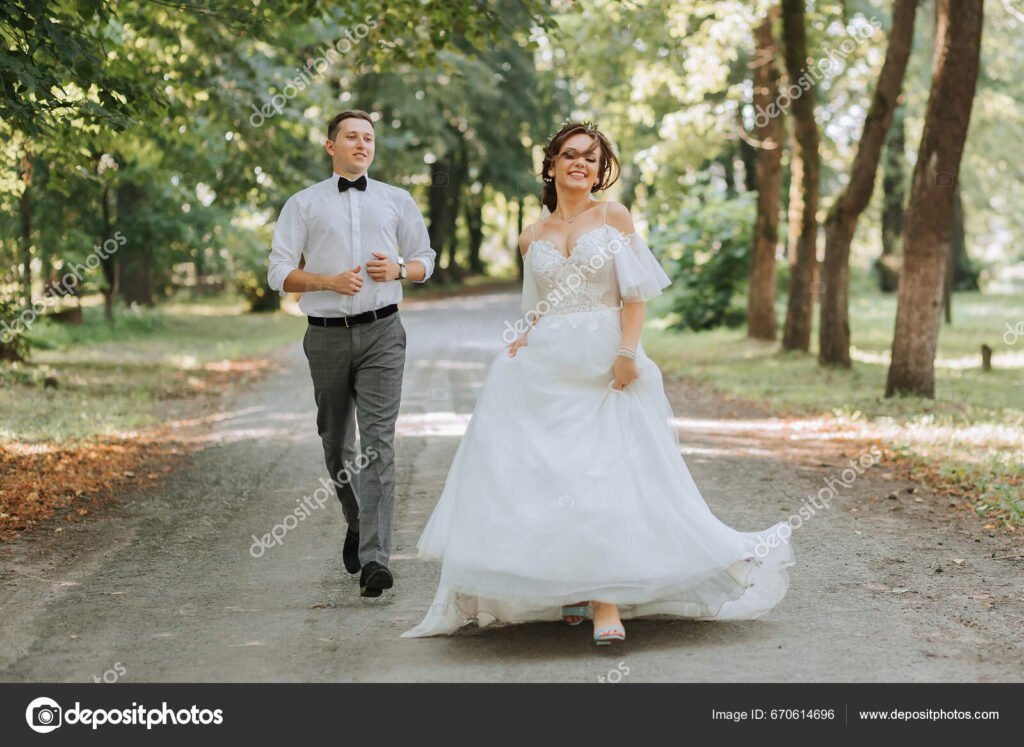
354 319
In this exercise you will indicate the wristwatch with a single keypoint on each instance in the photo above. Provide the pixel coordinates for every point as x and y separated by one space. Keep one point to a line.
402 272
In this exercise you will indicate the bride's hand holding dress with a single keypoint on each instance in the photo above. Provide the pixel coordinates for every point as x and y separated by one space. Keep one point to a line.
519 342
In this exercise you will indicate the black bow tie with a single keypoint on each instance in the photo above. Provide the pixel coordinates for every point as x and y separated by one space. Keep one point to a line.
344 184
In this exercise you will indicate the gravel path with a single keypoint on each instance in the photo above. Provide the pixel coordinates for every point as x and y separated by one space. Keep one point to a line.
889 585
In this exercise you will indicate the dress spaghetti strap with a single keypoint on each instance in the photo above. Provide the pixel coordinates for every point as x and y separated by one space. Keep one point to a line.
604 214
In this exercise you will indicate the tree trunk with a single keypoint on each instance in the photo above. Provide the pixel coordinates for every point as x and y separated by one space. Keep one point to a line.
965 274
26 231
457 181
136 266
768 180
474 216
959 273
109 262
894 181
803 271
440 221
926 244
136 282
748 154
841 223
729 172
795 205
947 285
630 180
520 225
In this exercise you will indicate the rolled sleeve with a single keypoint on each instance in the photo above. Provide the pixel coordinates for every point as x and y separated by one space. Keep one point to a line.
413 237
287 245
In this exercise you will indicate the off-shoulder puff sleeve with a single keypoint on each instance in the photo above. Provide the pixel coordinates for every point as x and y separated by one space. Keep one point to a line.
640 275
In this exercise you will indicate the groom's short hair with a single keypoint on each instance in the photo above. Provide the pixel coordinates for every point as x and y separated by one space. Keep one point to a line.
335 123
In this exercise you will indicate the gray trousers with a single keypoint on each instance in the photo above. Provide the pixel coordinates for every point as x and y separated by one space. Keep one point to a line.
357 377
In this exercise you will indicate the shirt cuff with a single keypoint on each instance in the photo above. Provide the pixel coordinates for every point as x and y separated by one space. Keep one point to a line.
276 276
428 267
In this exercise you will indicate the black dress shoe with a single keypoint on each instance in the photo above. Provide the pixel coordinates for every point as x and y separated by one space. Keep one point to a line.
374 579
350 553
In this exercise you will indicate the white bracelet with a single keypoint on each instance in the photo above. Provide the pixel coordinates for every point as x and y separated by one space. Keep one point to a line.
627 353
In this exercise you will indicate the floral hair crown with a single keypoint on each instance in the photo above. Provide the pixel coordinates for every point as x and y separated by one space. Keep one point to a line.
590 126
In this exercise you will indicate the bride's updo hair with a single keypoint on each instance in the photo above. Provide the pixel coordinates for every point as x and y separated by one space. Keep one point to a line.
608 168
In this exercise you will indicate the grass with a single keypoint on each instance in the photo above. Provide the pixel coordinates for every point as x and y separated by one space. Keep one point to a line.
969 439
112 377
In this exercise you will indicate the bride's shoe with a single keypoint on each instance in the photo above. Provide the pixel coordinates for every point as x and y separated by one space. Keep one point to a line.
580 611
604 636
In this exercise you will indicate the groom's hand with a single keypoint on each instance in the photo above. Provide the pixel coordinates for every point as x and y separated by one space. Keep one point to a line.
348 282
382 268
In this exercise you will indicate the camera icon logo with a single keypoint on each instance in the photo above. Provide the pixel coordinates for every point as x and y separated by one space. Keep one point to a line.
43 715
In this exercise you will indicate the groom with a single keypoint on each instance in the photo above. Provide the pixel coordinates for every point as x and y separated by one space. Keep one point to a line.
353 233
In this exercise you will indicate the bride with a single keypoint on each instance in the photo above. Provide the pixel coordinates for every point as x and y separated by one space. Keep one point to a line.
567 497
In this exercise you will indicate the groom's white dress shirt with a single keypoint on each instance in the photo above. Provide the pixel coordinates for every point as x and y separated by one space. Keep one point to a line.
337 231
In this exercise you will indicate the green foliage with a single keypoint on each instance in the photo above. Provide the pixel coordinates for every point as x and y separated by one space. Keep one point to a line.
14 345
248 271
54 66
708 241
137 117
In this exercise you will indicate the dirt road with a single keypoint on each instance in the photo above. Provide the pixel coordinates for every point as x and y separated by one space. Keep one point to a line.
889 585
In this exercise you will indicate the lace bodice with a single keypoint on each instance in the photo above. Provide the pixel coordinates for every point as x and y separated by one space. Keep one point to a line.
605 268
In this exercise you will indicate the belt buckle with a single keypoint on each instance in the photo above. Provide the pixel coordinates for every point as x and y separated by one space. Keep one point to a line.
374 314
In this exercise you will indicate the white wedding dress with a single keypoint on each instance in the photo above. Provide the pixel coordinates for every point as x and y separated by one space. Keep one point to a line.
564 489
